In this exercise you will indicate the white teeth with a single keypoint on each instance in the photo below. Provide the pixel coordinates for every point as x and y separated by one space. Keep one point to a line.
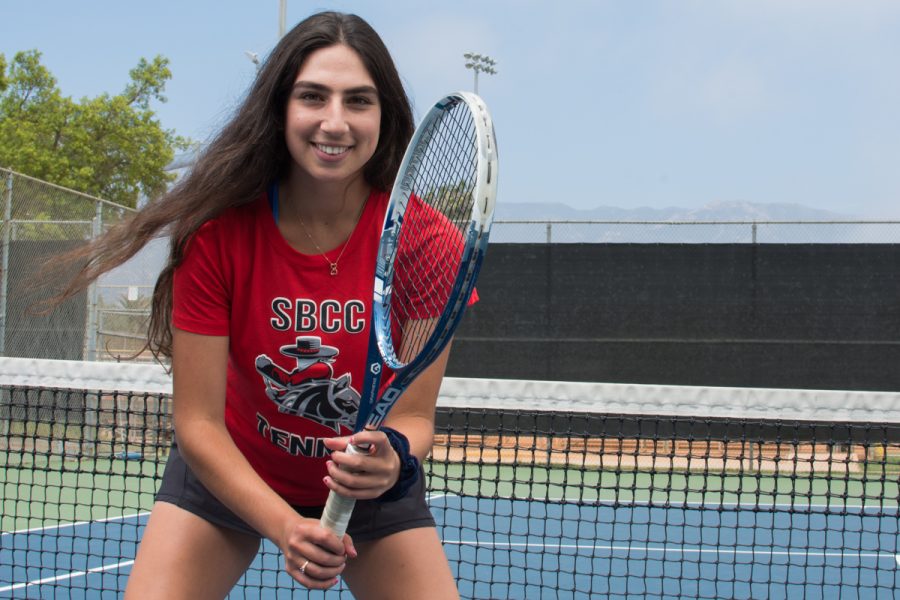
333 150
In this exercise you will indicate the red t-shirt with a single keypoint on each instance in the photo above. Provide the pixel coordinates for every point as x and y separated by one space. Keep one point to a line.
298 337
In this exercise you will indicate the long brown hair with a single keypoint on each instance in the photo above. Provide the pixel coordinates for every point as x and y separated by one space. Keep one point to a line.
249 153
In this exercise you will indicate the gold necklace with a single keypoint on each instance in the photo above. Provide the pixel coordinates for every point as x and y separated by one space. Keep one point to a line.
332 266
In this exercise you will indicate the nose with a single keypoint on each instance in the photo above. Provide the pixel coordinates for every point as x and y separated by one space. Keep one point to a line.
334 120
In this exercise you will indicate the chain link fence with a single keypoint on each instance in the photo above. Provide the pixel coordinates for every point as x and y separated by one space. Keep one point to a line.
696 232
108 322
42 221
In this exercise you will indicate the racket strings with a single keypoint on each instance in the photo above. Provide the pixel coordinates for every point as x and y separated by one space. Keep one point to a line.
445 183
430 248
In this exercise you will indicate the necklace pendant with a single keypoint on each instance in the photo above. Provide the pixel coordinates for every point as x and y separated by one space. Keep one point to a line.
334 270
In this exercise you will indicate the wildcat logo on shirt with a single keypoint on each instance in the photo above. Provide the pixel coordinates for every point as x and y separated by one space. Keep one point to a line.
309 390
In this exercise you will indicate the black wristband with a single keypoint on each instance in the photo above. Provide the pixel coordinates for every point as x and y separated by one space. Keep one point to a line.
409 466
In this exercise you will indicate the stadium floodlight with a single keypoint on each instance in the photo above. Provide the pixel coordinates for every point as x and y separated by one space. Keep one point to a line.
480 64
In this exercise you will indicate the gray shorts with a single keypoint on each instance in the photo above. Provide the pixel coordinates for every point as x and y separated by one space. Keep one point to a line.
370 520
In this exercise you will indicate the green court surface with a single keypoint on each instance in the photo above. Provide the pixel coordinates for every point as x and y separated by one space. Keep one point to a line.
605 486
53 490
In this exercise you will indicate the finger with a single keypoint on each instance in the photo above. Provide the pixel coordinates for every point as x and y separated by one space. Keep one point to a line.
320 556
367 473
343 478
313 575
370 439
360 487
309 539
367 448
312 566
337 444
351 463
381 459
349 548
357 492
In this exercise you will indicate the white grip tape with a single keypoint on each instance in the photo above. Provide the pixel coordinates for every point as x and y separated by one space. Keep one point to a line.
337 511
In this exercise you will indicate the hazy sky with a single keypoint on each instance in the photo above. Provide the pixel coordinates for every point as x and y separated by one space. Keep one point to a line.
596 103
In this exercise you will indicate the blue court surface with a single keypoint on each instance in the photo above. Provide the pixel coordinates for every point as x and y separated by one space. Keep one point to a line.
547 550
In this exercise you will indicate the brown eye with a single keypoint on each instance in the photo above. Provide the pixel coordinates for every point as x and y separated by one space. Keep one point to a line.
360 101
311 97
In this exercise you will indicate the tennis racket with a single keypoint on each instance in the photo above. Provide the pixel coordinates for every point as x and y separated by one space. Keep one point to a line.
434 237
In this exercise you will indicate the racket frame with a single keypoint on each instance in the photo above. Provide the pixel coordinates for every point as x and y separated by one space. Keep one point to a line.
372 408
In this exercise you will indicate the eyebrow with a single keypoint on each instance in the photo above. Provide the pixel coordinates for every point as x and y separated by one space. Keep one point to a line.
363 89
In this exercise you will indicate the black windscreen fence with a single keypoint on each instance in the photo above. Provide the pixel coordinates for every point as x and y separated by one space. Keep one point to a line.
815 316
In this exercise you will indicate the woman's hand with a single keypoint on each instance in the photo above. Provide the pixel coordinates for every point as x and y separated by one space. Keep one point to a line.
365 475
313 555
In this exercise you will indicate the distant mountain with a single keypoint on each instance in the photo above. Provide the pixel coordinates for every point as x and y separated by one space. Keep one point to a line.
717 211
650 225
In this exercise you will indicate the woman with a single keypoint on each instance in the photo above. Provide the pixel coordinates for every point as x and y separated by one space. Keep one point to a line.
263 308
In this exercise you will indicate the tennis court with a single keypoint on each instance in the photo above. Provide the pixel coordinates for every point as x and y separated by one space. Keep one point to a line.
618 491
662 552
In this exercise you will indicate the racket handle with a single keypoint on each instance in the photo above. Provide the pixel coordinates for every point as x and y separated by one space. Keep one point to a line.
337 511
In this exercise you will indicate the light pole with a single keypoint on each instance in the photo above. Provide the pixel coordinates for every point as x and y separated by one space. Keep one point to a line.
254 58
480 64
282 21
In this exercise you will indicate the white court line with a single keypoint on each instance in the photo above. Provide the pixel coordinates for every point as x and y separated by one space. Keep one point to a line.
677 504
650 549
74 524
667 550
72 575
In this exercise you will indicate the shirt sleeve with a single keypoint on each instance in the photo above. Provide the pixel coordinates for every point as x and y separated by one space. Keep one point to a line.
430 251
201 290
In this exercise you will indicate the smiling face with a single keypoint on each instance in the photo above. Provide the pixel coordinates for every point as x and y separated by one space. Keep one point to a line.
333 117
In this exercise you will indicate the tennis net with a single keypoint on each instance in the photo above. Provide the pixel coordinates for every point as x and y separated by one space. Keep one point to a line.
540 489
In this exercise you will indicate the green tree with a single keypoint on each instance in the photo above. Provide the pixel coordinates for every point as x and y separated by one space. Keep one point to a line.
452 199
113 147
